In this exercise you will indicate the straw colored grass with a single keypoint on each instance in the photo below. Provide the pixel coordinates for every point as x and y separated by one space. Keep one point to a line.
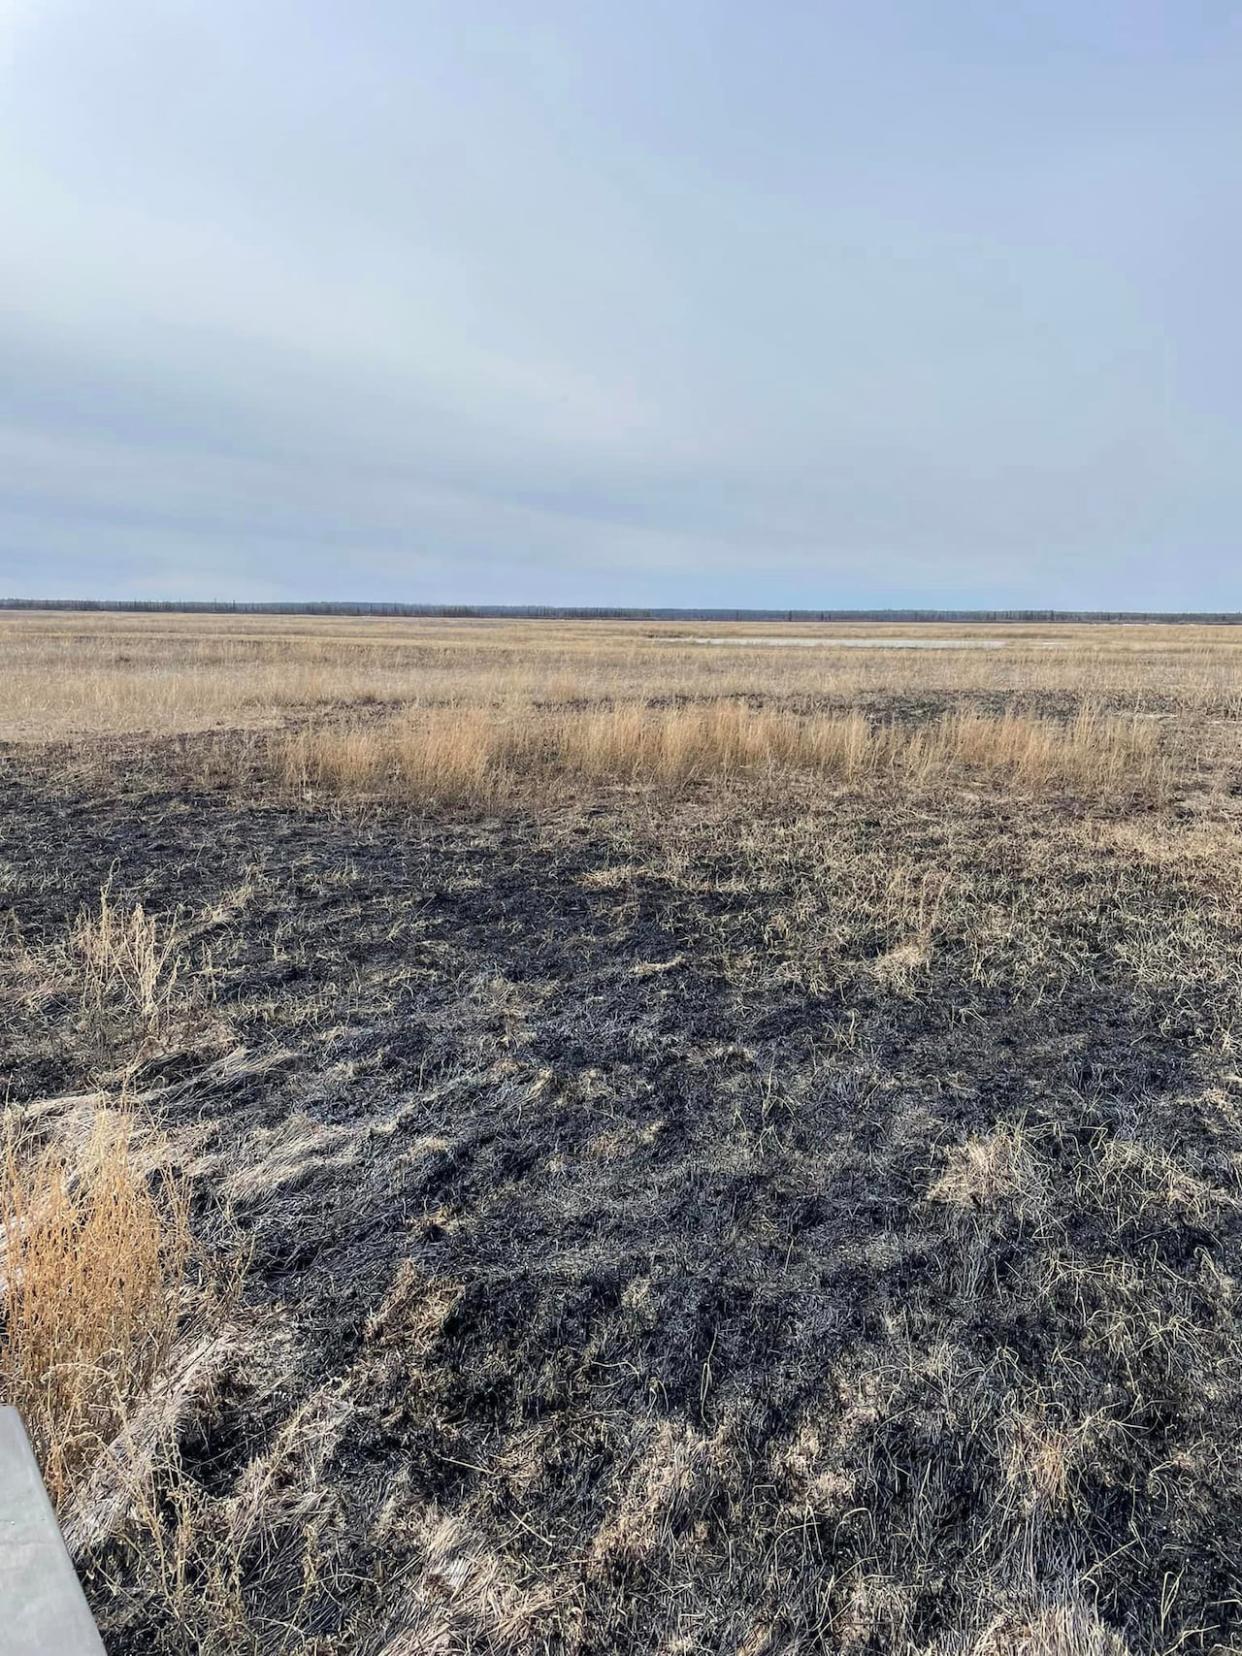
466 755
129 974
79 677
94 1250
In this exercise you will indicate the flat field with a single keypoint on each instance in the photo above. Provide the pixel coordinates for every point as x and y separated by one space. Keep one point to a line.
616 1137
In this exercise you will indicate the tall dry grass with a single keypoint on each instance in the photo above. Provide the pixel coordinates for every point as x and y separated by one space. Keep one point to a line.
94 1251
468 755
94 1229
128 970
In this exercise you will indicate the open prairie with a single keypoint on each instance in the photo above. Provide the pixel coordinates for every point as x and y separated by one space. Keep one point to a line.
619 1137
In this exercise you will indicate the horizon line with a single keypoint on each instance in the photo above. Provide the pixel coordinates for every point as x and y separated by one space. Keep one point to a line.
611 612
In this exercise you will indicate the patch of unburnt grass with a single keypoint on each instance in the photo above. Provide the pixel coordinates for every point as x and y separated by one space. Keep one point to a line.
482 757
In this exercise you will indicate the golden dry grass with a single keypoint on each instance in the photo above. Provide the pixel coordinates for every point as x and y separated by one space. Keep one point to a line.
470 755
94 1250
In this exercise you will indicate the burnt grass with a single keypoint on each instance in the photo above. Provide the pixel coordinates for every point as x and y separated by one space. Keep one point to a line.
717 1224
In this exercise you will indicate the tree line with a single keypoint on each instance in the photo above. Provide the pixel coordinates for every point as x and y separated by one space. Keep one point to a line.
599 612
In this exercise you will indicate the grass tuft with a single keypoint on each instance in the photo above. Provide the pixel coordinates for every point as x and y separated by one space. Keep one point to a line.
94 1251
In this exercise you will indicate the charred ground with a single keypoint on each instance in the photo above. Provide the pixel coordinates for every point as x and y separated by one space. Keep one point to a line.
758 1220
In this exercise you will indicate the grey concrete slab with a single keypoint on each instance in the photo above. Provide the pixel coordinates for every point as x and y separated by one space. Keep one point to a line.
42 1609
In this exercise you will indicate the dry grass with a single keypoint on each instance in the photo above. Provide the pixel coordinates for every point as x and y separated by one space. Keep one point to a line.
85 676
128 970
466 755
94 1251
483 713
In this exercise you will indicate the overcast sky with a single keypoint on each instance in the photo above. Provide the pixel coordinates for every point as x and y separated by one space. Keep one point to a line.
620 301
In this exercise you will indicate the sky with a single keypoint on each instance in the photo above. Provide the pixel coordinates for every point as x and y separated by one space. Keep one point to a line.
782 304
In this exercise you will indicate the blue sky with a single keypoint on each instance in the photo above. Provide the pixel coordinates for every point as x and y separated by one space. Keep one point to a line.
783 304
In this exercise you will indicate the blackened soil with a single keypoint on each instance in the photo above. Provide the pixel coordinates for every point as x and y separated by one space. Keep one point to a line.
590 1166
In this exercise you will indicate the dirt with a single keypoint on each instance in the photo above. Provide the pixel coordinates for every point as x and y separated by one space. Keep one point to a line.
599 1296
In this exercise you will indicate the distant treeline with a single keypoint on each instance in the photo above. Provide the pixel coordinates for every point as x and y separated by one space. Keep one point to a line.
554 612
